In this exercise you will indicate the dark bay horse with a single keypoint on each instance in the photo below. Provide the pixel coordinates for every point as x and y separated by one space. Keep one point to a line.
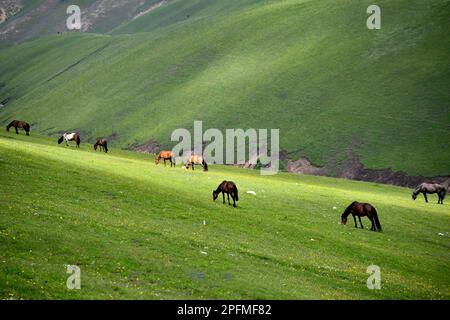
424 188
165 155
103 144
70 137
17 124
193 160
362 209
229 188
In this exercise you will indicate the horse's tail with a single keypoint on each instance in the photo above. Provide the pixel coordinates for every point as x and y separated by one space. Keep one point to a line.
236 193
205 165
78 141
106 146
443 192
377 221
27 129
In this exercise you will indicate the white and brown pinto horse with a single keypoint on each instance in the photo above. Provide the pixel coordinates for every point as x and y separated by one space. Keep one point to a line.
195 159
70 137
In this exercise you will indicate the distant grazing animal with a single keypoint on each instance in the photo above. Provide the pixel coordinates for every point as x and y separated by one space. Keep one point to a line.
70 137
103 144
424 188
17 124
193 160
361 210
229 188
165 155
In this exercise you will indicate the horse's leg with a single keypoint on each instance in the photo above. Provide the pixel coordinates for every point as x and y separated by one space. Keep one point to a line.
228 195
223 196
362 227
425 196
164 162
234 200
373 224
354 218
17 130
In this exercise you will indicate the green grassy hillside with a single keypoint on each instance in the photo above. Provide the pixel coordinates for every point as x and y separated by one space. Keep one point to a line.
138 230
310 68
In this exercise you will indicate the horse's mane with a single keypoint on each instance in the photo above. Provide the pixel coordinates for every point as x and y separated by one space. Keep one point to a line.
417 189
347 211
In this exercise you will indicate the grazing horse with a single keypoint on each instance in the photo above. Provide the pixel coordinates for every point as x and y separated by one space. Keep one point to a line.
362 209
19 124
229 188
102 143
424 188
70 137
165 155
193 160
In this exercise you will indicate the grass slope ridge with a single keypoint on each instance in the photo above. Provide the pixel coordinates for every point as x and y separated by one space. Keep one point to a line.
140 231
335 89
30 19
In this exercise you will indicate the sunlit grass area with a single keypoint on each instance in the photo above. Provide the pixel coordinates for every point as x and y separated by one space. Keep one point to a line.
137 230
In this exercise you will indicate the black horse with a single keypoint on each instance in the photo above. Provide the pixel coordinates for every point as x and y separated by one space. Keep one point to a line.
17 124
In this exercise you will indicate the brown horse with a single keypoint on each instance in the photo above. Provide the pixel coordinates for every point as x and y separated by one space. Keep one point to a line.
70 137
361 210
165 155
229 188
103 144
193 160
424 188
17 124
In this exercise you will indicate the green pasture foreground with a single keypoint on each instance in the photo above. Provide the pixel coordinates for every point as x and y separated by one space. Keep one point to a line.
140 231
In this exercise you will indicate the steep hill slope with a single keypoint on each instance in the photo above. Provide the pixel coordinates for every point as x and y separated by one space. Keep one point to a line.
338 92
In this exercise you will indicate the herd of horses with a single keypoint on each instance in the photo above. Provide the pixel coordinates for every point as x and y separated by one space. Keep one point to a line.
356 209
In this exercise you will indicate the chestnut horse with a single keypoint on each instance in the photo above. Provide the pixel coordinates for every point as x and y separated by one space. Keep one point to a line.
17 124
362 209
102 143
165 155
229 188
193 160
70 137
424 188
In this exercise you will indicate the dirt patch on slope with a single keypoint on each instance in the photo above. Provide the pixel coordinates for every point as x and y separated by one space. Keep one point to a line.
153 7
356 171
353 169
151 146
304 166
